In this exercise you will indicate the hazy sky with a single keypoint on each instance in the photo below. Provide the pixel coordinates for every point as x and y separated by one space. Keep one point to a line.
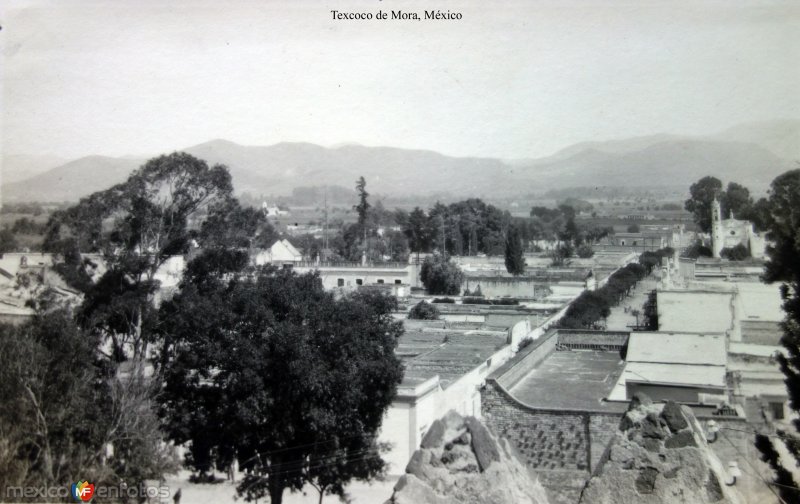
511 79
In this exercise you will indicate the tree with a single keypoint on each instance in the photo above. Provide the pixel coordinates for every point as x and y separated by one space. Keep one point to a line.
424 311
633 228
363 206
650 311
702 194
417 228
585 251
62 406
561 254
736 202
137 226
515 260
440 276
783 265
225 378
8 242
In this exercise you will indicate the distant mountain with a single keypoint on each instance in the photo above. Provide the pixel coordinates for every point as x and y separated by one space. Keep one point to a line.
672 162
71 181
16 167
751 154
781 137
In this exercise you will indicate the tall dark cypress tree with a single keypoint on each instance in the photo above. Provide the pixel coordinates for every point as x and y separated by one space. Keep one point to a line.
515 261
784 266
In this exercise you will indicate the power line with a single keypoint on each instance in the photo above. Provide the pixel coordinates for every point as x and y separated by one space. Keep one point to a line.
747 459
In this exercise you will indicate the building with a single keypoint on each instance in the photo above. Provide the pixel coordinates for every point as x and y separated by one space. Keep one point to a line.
281 253
271 210
729 233
445 368
685 367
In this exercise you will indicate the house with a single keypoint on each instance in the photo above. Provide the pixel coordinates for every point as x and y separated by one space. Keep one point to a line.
271 210
683 367
282 252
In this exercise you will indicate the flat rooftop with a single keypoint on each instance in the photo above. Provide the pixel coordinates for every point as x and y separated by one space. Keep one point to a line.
448 353
677 348
571 380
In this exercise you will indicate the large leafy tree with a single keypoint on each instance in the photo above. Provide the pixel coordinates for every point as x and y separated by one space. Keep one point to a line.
279 375
515 260
783 266
736 201
136 226
62 406
441 276
702 194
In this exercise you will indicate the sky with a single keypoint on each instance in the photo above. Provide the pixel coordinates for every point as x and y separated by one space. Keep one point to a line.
511 79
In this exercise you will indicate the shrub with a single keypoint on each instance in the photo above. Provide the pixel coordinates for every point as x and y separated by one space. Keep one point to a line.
737 253
585 251
424 311
444 300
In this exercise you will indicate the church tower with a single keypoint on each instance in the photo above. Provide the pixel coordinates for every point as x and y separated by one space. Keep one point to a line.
716 228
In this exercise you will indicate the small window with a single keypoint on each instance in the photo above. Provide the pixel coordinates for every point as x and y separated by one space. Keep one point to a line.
380 280
340 282
398 282
777 410
359 281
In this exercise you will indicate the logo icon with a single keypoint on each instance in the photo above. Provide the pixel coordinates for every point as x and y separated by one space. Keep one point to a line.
82 491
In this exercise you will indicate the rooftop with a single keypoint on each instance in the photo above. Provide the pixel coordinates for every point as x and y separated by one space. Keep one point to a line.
677 348
706 311
448 353
570 380
671 374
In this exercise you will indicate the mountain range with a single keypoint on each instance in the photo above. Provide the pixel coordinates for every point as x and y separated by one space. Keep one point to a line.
751 154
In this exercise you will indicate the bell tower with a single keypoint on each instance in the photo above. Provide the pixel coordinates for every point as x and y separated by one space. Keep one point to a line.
716 228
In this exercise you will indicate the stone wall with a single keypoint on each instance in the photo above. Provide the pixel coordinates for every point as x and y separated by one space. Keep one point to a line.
546 440
549 439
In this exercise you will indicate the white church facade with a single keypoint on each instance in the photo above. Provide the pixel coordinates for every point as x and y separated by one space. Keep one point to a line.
728 233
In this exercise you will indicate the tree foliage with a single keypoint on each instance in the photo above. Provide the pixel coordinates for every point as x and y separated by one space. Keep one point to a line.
424 311
783 266
279 375
702 195
62 405
441 276
515 260
589 309
137 226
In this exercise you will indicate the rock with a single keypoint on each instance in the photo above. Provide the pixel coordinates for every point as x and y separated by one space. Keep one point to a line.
483 445
681 440
646 481
652 445
651 427
673 415
415 464
638 469
467 465
638 400
435 435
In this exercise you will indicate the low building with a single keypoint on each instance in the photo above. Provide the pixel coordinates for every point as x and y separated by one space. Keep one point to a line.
685 367
281 253
444 370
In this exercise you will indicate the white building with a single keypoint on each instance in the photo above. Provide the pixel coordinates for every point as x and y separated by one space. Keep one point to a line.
728 233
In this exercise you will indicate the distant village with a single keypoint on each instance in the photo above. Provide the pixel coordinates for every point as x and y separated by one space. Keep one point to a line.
544 323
